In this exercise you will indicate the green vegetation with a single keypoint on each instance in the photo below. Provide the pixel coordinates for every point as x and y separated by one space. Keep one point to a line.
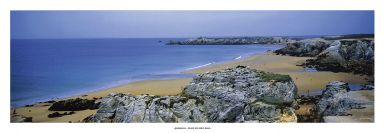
267 76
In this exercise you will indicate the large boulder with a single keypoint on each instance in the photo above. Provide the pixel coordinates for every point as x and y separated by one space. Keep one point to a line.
233 95
336 101
73 105
242 83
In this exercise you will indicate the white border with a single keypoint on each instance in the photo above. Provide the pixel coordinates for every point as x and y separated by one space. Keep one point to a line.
7 5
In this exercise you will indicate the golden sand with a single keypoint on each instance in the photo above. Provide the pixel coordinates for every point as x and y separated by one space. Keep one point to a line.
39 112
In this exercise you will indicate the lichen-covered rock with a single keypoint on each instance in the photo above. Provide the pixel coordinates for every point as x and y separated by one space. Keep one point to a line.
233 95
148 108
335 100
242 83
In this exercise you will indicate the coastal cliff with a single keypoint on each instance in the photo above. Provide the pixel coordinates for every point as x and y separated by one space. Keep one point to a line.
350 55
232 41
238 94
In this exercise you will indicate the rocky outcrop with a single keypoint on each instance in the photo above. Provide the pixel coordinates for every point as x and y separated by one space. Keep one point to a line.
351 55
15 118
346 56
73 105
233 41
148 108
350 36
336 101
57 114
307 47
233 95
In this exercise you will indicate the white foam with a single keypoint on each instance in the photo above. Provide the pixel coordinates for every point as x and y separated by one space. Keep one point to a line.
239 57
201 66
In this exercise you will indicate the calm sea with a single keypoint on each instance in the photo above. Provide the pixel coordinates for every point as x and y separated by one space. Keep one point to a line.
43 69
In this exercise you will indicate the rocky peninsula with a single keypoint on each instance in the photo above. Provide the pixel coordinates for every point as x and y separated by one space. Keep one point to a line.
233 41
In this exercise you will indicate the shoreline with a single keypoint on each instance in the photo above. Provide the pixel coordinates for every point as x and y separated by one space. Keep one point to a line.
288 65
305 81
115 85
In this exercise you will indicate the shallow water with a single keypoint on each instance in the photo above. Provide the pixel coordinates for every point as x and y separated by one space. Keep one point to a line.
353 87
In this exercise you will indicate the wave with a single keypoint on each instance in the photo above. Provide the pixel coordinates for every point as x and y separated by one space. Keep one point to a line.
239 57
200 66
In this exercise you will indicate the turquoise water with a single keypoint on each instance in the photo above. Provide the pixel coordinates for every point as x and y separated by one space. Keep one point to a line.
43 69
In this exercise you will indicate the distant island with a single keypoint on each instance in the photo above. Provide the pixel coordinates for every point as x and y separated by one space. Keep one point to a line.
259 40
232 41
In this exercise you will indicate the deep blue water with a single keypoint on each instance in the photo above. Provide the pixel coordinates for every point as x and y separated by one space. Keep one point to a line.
42 69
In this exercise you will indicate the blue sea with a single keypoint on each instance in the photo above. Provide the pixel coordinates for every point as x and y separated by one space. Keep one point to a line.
44 69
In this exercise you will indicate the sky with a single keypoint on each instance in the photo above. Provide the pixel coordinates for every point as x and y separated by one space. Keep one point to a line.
163 24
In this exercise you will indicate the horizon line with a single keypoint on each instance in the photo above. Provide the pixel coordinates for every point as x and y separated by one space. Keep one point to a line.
197 36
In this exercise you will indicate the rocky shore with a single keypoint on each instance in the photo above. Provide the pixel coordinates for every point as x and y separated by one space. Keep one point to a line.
345 53
231 93
356 55
238 94
232 41
336 102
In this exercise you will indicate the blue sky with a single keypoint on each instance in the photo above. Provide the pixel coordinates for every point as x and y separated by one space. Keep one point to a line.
138 24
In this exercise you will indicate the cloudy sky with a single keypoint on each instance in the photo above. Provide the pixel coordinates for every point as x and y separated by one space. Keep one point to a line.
155 24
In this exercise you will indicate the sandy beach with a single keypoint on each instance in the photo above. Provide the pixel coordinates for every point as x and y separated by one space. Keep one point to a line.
305 81
39 112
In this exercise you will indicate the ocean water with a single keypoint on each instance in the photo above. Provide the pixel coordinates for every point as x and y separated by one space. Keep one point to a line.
44 69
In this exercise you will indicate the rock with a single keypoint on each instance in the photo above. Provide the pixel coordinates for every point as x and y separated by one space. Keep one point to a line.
28 105
73 105
146 108
335 100
368 87
20 118
57 114
352 55
239 94
242 83
346 56
307 47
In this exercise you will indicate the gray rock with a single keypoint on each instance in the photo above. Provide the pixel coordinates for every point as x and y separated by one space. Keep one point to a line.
233 95
307 47
335 100
240 84
15 118
346 56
